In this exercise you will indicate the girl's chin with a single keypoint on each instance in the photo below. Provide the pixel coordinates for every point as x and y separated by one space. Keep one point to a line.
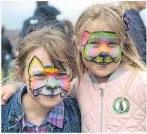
51 96
102 73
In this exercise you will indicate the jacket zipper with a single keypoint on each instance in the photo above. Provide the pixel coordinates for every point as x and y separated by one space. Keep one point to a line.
101 123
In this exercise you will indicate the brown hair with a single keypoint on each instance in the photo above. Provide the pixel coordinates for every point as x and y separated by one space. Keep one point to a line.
55 43
112 15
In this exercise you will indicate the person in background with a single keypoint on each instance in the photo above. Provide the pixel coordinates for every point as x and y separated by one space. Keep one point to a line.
137 29
143 14
43 15
7 52
68 28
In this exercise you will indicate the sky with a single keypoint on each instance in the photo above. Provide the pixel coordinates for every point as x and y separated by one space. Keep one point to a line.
13 13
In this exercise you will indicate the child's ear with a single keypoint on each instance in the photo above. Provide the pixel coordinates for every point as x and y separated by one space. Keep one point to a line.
19 72
85 36
84 39
79 47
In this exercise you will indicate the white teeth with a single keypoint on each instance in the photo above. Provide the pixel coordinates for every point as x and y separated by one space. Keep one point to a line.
103 63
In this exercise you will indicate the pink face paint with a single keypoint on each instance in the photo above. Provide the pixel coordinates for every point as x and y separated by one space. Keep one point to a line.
101 47
45 80
85 37
64 81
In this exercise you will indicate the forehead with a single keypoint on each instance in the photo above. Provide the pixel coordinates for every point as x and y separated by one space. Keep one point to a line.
97 25
103 34
41 54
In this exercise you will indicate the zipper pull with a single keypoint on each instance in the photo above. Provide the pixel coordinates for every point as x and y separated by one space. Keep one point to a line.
102 92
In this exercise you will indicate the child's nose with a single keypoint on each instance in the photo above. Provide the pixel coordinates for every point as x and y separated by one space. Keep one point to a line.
51 83
103 54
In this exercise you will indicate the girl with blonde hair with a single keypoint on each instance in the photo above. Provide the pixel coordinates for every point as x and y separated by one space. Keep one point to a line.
111 92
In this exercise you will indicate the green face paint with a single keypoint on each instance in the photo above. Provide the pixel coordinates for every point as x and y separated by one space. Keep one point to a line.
101 47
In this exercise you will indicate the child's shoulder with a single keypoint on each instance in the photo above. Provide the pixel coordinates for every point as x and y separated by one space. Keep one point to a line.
70 100
139 75
9 107
142 75
12 105
71 105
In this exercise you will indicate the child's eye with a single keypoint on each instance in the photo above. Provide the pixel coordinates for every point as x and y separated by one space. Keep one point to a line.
93 42
112 43
40 75
61 75
95 45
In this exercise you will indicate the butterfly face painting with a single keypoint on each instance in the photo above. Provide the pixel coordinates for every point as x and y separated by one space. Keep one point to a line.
47 80
101 47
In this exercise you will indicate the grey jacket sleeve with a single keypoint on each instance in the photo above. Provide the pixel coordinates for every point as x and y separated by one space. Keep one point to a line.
137 31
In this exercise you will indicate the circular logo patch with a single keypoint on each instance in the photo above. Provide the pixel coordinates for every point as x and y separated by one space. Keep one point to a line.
121 105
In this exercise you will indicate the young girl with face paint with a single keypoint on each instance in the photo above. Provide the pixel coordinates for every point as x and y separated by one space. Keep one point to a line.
44 63
111 93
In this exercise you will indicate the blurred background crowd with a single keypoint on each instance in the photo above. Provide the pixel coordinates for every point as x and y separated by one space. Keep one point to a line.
53 12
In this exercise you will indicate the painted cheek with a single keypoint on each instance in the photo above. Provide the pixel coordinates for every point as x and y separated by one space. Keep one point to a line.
115 52
64 84
34 83
90 51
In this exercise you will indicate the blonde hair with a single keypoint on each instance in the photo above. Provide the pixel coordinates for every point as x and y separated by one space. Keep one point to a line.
54 41
112 15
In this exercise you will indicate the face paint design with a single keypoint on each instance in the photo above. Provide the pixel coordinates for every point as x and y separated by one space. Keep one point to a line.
101 47
47 80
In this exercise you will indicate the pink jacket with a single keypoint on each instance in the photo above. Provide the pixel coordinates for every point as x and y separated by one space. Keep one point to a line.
116 106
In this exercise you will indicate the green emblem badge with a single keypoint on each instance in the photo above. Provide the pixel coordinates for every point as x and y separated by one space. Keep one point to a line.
121 105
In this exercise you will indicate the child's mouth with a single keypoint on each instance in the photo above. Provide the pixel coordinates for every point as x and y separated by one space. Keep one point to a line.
52 96
103 63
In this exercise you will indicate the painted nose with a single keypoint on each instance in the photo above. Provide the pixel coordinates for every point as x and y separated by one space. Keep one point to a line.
51 83
103 54
51 87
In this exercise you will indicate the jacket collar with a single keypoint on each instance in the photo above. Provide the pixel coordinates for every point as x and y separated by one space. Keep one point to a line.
56 116
117 73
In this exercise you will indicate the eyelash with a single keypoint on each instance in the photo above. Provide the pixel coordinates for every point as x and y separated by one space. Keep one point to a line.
60 75
93 42
40 75
112 43
96 44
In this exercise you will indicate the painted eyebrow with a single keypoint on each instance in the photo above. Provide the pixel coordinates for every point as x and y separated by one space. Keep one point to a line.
37 72
99 40
102 37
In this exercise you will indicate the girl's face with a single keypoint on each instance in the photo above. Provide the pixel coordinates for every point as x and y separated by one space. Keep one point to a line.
46 84
101 49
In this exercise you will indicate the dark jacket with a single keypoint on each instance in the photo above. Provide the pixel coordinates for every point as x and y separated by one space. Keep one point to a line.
6 47
137 31
13 112
44 15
